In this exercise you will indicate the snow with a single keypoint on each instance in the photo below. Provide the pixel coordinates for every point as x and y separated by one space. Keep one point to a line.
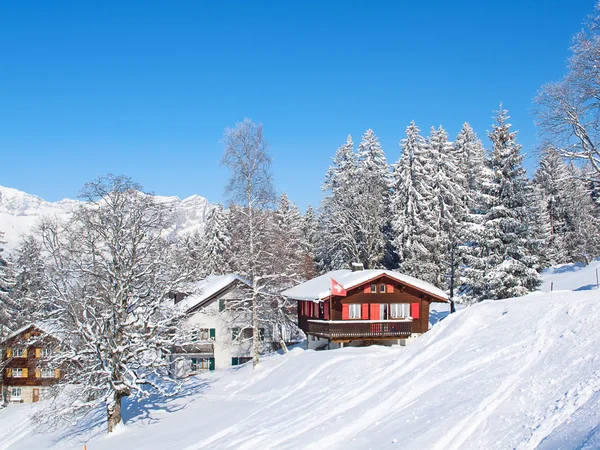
319 288
20 212
47 327
571 277
520 373
202 290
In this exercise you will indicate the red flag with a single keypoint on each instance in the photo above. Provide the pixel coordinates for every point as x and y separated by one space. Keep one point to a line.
337 289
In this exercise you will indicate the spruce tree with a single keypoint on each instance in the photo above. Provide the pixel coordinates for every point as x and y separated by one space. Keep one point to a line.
507 267
413 205
215 247
339 242
372 207
288 242
9 311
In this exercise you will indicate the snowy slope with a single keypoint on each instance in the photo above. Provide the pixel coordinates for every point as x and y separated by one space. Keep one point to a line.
571 277
520 373
19 213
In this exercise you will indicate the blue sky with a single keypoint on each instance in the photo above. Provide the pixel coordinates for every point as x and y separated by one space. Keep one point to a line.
147 88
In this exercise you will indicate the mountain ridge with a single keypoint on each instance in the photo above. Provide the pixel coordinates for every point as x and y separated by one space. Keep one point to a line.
20 212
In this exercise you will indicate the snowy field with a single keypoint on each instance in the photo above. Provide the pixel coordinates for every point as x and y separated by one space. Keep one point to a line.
520 373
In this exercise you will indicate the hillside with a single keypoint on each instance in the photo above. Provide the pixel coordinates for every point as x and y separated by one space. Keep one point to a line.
520 373
19 213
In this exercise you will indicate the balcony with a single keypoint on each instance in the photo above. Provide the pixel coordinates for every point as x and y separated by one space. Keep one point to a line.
360 329
200 349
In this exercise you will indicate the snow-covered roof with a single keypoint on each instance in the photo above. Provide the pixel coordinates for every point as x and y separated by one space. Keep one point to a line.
203 290
47 327
319 288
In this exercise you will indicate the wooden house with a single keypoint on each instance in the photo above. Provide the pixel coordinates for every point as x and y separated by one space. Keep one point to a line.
361 307
26 370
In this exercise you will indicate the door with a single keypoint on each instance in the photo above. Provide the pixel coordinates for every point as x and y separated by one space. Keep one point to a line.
383 311
36 395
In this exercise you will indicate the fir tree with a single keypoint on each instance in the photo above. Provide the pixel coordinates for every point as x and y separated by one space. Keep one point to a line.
9 311
338 241
507 267
215 245
289 245
413 204
372 214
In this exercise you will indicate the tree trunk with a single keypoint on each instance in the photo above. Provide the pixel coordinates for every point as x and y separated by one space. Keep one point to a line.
255 329
283 346
114 412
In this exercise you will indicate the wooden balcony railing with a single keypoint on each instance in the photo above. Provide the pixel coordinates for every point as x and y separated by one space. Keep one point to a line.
195 349
359 329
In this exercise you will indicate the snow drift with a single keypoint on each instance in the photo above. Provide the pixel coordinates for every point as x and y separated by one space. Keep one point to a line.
20 212
521 373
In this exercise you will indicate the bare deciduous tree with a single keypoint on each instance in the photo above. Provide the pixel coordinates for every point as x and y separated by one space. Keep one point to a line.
109 272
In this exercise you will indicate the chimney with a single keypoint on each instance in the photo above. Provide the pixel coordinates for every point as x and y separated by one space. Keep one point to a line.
356 266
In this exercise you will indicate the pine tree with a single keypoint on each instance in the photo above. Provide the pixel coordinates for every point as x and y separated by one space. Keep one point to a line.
288 242
372 207
471 160
413 205
506 267
338 238
215 247
310 234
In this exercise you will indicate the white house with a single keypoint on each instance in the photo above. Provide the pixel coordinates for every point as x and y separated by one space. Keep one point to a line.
217 327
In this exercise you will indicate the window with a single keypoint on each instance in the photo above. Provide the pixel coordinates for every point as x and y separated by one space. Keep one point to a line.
354 311
199 364
17 352
17 373
221 305
261 334
235 333
15 393
47 373
46 352
373 288
399 310
382 288
202 334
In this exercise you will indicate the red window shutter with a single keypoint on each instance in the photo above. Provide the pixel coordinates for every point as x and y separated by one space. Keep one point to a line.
415 310
367 288
365 311
344 312
303 308
326 311
374 311
390 288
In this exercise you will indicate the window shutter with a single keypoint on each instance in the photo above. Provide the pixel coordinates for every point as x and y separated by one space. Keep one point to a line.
221 305
9 372
38 373
25 372
374 311
211 363
345 312
365 311
415 311
24 353
326 311
8 352
56 373
235 361
212 332
38 352
367 288
390 288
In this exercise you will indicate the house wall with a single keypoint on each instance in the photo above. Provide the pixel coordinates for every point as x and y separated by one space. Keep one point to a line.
225 348
31 339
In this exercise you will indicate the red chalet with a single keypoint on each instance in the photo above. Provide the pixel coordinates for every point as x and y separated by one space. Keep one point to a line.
361 307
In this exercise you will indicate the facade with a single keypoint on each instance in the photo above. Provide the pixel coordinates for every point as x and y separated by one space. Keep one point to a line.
26 372
362 307
217 326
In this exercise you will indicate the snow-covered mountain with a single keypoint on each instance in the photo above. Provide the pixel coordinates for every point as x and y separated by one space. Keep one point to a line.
521 373
19 213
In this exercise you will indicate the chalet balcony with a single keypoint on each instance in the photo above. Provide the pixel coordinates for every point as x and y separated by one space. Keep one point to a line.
360 329
201 349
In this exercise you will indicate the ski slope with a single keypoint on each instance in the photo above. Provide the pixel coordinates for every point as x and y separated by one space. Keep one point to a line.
520 373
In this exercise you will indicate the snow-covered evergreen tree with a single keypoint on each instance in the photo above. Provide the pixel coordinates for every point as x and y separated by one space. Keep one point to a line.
9 311
288 242
570 210
450 206
338 238
413 206
504 266
310 234
373 205
215 247
471 163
